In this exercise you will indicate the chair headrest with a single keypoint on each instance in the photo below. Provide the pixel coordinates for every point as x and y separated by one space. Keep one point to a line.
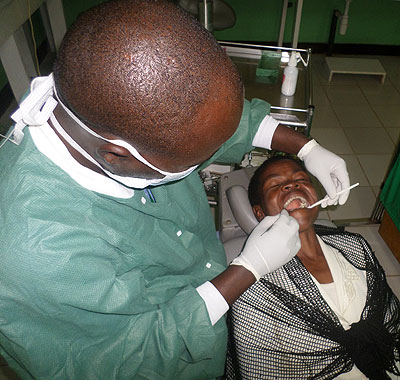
241 208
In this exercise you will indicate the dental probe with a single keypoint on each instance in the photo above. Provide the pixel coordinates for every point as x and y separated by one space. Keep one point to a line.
338 193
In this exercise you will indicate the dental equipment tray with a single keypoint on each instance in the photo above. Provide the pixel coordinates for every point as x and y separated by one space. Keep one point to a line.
295 111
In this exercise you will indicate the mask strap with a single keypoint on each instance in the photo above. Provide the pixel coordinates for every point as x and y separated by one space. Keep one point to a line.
72 142
121 143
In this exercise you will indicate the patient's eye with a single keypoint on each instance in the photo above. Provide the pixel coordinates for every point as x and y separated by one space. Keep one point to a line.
271 184
302 178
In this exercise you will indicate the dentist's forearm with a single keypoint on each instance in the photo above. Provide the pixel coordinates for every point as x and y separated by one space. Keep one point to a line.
287 140
234 281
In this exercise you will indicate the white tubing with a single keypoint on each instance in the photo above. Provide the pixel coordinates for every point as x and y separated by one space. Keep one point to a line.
344 19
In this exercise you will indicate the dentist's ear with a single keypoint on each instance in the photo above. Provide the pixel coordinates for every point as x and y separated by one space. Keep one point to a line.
119 160
112 154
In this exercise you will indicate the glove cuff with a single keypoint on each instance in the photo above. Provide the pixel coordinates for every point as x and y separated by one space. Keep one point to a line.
240 260
306 149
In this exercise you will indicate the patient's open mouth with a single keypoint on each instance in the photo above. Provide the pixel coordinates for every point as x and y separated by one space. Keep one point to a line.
295 203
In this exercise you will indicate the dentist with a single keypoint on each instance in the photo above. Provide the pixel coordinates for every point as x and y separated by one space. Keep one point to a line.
110 265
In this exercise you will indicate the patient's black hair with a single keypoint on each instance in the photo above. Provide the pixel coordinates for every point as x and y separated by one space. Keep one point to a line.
141 69
255 186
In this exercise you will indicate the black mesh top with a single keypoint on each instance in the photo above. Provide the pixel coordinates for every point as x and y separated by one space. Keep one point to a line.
282 328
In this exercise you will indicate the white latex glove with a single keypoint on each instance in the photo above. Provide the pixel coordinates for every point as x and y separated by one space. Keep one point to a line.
329 169
272 243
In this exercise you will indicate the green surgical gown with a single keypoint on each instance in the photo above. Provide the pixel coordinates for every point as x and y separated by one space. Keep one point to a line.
390 195
96 287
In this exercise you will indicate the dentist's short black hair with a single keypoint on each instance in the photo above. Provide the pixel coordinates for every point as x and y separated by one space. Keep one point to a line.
141 69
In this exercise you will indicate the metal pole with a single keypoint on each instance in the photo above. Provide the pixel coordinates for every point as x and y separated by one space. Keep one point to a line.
283 22
206 12
299 9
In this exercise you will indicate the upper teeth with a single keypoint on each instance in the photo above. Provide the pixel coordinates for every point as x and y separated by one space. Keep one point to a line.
303 204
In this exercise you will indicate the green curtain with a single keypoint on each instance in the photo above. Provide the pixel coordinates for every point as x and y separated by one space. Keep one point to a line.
390 195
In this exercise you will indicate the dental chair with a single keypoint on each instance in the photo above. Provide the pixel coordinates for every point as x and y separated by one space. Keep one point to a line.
236 218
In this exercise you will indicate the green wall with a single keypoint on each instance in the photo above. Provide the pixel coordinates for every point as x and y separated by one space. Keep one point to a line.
373 22
72 8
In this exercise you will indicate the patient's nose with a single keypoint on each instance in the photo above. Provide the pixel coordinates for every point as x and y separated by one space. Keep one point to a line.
291 185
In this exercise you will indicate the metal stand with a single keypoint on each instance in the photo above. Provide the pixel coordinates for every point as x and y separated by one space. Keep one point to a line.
299 9
15 52
296 111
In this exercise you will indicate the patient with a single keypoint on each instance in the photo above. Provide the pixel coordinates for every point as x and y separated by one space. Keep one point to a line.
328 313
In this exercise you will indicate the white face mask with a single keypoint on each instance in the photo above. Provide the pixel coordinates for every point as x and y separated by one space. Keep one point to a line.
137 183
38 107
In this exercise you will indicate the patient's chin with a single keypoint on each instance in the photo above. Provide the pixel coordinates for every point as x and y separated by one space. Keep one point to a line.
299 212
304 216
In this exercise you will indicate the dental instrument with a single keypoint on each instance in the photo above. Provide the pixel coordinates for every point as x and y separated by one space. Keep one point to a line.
338 193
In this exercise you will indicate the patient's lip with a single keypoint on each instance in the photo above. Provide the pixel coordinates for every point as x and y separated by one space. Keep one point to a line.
295 202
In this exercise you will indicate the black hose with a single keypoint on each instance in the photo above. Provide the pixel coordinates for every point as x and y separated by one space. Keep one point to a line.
332 33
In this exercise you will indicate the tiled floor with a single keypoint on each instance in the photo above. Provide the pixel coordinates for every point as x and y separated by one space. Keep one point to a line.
358 118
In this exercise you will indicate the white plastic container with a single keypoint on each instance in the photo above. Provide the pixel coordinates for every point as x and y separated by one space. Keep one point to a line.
290 75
